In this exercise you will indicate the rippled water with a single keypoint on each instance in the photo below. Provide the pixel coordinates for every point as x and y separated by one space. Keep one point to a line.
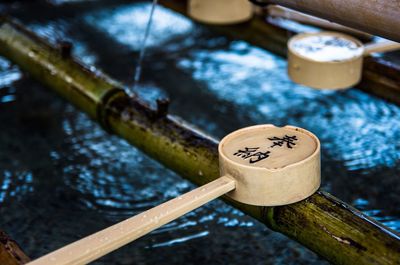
62 177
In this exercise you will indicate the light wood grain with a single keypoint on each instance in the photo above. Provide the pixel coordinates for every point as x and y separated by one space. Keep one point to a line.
287 176
339 74
113 237
221 12
384 46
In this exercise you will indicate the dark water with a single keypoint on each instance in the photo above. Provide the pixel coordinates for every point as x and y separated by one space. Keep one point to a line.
62 177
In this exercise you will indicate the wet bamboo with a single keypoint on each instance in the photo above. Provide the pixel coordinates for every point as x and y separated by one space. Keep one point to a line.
326 225
381 76
375 17
10 252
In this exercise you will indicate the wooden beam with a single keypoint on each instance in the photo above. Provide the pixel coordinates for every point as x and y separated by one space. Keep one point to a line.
323 223
10 252
375 17
381 76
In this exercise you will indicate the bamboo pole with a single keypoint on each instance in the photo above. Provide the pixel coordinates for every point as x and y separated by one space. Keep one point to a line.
375 17
326 225
380 77
10 252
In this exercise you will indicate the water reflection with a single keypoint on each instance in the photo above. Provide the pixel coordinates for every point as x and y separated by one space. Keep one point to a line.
181 240
127 24
8 75
390 221
125 191
15 184
60 30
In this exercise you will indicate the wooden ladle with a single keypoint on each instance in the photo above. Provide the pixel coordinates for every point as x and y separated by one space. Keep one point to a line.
220 12
259 165
330 60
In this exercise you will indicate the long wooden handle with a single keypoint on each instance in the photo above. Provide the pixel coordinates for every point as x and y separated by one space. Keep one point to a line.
287 13
384 46
99 244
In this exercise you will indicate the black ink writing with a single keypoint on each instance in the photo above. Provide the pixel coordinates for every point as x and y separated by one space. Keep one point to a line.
289 140
252 153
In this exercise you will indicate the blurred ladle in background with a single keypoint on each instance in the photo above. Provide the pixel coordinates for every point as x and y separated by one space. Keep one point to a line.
220 12
330 60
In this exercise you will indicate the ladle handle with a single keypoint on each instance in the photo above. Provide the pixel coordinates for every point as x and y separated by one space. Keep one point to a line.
283 12
384 46
103 242
287 13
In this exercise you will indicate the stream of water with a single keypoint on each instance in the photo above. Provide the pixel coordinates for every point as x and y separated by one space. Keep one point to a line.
138 69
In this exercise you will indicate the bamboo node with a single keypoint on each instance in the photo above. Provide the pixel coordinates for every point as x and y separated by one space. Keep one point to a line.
65 48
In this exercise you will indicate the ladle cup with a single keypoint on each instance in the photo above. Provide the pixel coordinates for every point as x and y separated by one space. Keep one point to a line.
221 12
330 60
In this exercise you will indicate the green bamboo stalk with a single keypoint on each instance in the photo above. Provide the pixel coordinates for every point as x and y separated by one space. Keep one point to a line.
323 223
380 76
10 252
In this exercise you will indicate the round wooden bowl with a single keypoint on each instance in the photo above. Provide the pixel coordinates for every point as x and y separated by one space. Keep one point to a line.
271 165
325 73
220 11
